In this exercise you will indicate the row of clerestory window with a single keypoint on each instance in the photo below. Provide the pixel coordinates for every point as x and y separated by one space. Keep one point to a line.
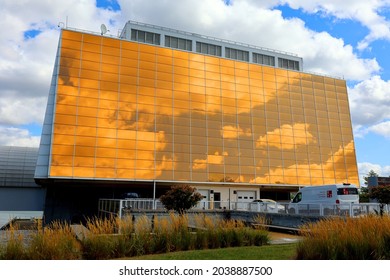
211 49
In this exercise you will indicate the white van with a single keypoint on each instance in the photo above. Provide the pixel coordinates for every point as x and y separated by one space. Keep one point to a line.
327 198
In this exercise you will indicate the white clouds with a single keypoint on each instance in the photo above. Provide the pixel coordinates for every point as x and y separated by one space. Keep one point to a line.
325 54
363 11
22 111
10 136
26 65
249 22
382 128
365 167
370 102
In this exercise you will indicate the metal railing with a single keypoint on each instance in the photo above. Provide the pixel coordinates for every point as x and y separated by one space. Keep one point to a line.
118 207
352 210
109 206
301 209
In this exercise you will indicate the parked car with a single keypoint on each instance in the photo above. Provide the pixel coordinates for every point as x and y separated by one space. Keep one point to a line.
266 205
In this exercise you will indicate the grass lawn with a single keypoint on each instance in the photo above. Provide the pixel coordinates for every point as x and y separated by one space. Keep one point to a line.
266 252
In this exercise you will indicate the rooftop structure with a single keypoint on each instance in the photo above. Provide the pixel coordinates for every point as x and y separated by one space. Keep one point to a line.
182 40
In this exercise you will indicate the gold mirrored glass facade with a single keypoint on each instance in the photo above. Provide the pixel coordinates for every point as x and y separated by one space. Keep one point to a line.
131 111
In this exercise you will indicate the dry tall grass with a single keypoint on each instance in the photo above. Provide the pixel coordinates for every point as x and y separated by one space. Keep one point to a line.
363 238
219 233
132 236
54 242
14 248
260 221
114 238
98 226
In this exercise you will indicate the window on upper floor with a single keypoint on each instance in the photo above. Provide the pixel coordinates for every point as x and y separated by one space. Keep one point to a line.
236 54
145 37
263 59
288 64
208 49
178 43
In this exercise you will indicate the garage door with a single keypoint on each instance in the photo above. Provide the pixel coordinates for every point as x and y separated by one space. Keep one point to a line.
244 197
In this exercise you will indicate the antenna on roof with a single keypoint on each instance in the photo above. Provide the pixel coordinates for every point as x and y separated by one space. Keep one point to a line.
103 29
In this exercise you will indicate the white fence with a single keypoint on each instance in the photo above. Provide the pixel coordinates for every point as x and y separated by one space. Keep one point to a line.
352 210
117 207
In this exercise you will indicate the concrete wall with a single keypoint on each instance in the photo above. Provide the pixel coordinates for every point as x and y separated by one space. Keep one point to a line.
22 199
273 219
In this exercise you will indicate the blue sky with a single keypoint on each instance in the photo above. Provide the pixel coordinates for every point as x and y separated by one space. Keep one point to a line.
351 31
108 4
349 39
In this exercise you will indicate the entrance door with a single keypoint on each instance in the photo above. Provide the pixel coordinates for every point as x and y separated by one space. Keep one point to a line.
204 202
217 200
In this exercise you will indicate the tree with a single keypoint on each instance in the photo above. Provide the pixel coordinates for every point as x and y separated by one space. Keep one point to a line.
372 173
180 198
364 195
382 195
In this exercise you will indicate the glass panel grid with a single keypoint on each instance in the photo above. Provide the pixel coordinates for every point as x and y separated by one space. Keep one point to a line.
179 116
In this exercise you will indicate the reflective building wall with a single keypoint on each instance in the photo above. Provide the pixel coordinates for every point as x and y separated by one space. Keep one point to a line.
130 111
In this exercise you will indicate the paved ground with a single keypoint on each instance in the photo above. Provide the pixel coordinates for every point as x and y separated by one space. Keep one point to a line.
283 238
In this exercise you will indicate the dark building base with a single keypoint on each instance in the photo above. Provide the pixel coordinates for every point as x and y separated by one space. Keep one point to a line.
77 202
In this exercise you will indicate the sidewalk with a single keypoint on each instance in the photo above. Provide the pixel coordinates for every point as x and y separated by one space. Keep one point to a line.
283 238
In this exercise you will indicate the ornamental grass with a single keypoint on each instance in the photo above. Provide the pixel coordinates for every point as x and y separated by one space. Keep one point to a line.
362 238
127 237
